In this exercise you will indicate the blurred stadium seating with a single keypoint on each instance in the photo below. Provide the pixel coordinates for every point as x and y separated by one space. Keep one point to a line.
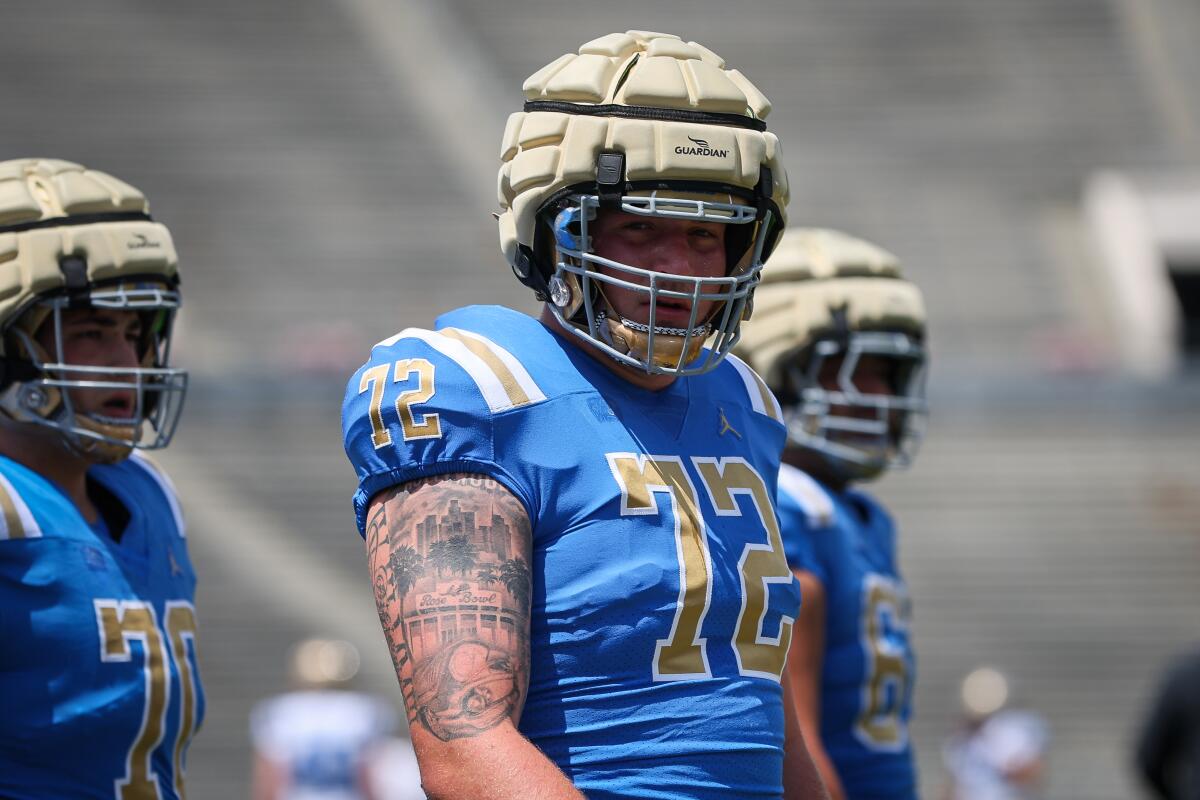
327 169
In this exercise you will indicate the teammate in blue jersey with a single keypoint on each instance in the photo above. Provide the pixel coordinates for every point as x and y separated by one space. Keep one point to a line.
838 335
99 692
569 520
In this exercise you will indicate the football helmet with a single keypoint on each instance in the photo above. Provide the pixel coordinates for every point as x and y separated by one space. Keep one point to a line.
828 302
647 124
75 238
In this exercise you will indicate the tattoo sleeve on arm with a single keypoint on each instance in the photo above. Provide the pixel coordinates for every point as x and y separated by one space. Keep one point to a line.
449 562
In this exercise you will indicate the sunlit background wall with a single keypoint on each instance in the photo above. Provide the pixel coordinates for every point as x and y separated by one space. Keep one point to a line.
328 170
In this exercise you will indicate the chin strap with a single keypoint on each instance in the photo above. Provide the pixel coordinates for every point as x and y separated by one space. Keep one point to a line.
527 272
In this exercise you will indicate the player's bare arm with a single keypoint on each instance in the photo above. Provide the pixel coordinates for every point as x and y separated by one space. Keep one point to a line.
456 618
802 679
801 780
462 681
803 676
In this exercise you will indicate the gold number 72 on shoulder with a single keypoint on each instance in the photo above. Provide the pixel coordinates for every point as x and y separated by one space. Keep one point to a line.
412 425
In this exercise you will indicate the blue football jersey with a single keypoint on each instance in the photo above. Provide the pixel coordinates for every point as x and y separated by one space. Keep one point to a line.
849 542
99 687
662 605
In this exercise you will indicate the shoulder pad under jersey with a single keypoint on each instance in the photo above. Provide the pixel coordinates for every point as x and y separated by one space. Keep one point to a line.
808 495
16 520
426 403
162 481
758 395
807 520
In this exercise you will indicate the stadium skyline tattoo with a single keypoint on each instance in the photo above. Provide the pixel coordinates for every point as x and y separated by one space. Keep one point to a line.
463 581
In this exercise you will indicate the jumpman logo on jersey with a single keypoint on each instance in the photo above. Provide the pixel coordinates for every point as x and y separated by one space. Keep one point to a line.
175 568
725 426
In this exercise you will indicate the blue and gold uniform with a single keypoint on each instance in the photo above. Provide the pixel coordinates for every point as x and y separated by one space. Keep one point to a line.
661 602
848 542
98 678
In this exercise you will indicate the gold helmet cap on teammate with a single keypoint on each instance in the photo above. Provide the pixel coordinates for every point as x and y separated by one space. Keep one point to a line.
827 294
75 237
814 273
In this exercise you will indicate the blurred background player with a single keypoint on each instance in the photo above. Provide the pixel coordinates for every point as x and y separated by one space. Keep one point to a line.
316 742
98 679
998 753
838 335
393 772
569 520
1168 747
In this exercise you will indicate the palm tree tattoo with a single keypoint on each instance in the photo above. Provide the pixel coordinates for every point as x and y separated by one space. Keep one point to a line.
449 564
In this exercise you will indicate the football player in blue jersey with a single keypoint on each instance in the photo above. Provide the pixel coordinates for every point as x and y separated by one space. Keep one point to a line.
98 680
569 520
838 335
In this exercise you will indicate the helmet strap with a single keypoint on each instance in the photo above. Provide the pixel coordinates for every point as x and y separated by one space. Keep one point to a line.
529 273
610 179
75 278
